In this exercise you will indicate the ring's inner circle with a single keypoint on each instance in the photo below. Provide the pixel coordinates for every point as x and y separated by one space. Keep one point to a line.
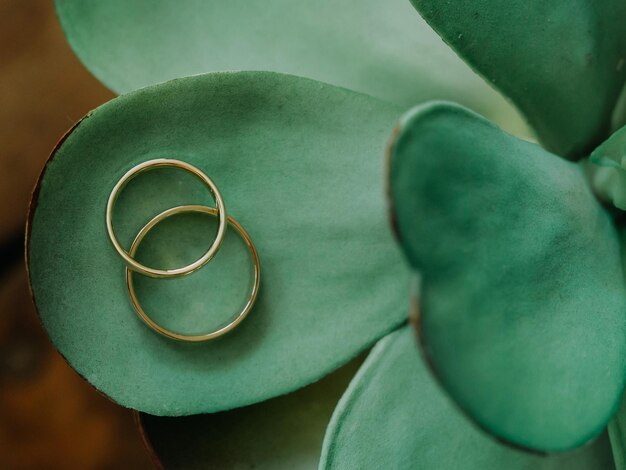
208 302
149 189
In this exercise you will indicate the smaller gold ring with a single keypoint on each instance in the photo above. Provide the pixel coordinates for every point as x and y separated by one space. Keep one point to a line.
223 329
128 257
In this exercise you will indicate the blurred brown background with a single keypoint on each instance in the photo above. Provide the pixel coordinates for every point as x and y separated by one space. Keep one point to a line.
49 417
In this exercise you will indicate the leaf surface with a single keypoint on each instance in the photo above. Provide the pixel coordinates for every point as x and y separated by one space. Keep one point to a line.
283 433
522 303
394 415
562 62
299 165
383 49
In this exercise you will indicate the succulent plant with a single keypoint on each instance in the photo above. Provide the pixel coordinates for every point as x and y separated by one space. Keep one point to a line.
511 250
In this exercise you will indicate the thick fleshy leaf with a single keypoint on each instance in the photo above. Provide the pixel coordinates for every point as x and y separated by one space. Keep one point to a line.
523 303
608 177
394 415
380 48
281 433
608 172
298 163
617 427
562 62
617 433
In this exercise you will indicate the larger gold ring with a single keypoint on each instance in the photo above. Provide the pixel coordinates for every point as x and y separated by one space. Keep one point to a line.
131 263
222 329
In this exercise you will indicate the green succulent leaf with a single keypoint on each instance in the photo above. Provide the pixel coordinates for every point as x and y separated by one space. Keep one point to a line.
522 302
380 48
298 163
281 433
617 427
617 433
608 172
562 62
394 415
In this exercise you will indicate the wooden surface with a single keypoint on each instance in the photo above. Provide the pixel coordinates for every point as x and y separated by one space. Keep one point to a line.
44 89
49 417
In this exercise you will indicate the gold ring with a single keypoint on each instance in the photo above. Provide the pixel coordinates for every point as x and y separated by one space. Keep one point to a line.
221 330
131 263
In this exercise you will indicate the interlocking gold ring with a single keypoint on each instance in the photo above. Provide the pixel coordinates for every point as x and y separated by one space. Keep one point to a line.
131 263
222 329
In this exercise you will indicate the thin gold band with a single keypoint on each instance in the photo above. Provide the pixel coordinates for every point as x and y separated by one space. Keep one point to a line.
131 263
223 329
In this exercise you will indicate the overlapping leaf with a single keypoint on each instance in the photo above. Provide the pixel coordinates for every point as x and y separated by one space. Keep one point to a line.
282 433
523 299
383 49
394 415
297 162
562 62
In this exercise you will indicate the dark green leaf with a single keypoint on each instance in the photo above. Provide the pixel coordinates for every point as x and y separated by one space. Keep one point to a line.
608 172
617 427
523 299
562 62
